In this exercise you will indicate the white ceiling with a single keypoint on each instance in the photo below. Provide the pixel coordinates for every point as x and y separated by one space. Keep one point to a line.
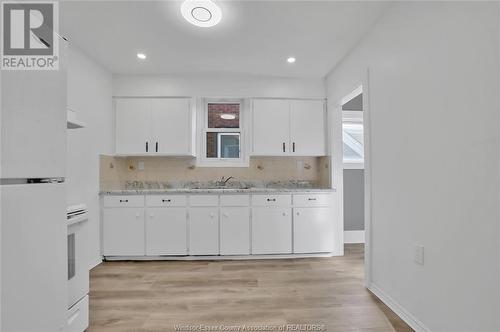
254 37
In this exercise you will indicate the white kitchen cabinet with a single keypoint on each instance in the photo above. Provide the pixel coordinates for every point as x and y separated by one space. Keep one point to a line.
123 232
171 126
313 230
271 230
204 231
166 231
154 126
133 126
235 230
282 127
271 127
307 127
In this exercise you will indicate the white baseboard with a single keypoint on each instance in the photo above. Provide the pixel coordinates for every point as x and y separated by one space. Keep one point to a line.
354 236
95 262
219 258
408 318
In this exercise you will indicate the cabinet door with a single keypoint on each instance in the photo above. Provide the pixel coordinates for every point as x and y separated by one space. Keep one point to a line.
123 232
307 127
271 230
166 232
171 126
235 231
133 126
313 230
271 127
204 231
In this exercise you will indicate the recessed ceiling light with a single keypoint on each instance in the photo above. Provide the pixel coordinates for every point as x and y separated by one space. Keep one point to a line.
141 56
202 13
291 59
227 116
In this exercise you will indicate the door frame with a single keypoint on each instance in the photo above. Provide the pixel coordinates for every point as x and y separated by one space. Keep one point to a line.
361 86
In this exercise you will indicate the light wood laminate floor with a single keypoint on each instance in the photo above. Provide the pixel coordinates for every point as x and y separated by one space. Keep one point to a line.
158 295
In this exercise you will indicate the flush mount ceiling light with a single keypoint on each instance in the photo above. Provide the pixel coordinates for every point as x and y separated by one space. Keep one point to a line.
227 116
202 13
141 56
290 59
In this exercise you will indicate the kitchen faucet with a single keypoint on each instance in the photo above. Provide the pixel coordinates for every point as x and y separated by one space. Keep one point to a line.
223 182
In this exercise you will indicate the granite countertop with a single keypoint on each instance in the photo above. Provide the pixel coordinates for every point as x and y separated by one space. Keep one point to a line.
212 191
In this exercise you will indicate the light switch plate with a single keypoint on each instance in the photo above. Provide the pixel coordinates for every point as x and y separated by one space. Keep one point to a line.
300 165
419 254
140 165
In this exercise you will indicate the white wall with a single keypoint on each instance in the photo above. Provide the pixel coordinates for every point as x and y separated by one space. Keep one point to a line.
89 94
434 122
217 86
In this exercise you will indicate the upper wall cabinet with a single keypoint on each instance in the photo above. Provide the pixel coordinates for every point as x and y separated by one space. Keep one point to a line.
154 126
288 127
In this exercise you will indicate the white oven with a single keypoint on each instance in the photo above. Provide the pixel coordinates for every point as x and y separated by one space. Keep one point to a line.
78 269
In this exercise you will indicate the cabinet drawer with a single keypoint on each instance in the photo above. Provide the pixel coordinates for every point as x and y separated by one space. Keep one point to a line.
312 200
166 200
124 201
271 200
234 200
204 200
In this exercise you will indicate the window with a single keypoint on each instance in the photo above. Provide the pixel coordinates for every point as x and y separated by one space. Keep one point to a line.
352 137
222 134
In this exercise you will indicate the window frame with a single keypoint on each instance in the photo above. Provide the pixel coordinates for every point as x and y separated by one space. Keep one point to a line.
203 160
353 117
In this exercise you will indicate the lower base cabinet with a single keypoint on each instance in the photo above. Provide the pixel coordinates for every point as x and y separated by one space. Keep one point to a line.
271 230
211 225
204 231
123 232
166 231
235 231
313 230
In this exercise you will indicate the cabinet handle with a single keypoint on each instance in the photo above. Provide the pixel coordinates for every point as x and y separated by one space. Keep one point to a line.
225 215
152 215
156 146
284 214
137 215
298 213
311 199
123 200
147 147
293 147
166 200
283 146
212 215
271 199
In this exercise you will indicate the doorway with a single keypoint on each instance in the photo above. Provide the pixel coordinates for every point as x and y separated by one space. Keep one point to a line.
353 168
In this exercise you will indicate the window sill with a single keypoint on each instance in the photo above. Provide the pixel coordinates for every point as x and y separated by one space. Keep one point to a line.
354 165
219 163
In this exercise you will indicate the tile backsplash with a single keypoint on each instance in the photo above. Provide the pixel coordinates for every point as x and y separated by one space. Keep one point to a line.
116 172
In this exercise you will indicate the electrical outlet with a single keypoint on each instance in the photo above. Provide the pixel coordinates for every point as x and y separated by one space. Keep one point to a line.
300 165
419 254
140 165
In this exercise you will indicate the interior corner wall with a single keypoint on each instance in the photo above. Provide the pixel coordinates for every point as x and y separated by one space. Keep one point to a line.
90 95
434 134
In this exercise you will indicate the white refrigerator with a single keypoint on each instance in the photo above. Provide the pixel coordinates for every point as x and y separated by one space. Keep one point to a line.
33 200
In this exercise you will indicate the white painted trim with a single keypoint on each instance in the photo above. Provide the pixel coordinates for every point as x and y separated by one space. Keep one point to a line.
95 262
354 165
354 236
216 257
367 176
399 310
